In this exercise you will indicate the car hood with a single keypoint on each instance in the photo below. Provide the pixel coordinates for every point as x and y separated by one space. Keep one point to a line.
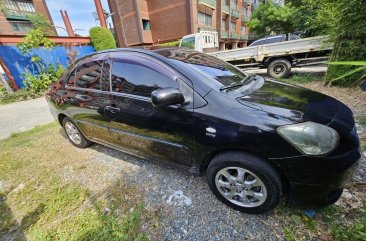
292 102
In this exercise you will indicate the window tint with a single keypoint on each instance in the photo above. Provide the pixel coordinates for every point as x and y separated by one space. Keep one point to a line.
188 43
131 76
88 75
105 76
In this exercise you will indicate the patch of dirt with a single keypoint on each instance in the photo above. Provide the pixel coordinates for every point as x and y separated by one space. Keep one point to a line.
354 98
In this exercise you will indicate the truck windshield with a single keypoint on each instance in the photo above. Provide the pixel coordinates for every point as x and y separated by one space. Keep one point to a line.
188 43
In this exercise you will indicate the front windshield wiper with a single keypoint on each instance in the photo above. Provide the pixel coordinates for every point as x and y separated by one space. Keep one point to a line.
241 83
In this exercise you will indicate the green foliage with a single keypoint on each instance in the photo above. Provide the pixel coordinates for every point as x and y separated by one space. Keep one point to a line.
173 43
360 68
40 22
348 32
303 78
19 95
270 17
310 16
34 40
355 232
102 38
39 82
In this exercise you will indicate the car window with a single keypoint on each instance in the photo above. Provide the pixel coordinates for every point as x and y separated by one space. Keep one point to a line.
273 40
256 43
105 85
139 76
188 43
88 75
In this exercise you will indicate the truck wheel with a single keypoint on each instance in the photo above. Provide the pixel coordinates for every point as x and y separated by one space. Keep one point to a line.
279 68
244 182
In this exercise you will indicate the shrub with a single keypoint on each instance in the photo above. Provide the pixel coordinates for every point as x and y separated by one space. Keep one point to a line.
102 38
37 83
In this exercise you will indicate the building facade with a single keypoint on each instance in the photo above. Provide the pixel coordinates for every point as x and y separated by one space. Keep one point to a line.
147 22
14 17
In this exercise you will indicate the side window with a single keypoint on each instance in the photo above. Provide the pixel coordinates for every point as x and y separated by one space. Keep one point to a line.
88 75
140 77
188 43
105 76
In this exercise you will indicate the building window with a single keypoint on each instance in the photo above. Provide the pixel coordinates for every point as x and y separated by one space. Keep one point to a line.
245 10
232 26
243 29
21 6
204 19
146 24
21 26
223 24
234 4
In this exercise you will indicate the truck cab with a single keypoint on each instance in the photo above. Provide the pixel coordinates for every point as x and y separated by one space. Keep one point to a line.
204 41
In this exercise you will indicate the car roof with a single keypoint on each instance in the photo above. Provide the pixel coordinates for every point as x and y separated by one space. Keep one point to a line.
172 56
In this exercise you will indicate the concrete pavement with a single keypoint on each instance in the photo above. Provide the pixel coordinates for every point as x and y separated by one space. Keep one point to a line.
24 115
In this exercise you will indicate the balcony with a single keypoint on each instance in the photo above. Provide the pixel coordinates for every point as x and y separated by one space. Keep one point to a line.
226 9
235 13
244 36
17 15
224 34
208 3
233 35
245 18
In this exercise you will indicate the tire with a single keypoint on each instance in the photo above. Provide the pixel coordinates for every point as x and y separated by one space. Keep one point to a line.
74 134
259 191
279 68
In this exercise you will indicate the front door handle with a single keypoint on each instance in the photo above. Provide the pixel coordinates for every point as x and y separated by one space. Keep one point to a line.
112 109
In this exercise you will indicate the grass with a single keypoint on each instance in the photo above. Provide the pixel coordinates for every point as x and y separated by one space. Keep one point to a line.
39 203
303 78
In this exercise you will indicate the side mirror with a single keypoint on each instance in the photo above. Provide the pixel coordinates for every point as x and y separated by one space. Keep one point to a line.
167 96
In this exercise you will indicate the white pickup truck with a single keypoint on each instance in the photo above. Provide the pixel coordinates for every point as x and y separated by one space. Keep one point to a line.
277 58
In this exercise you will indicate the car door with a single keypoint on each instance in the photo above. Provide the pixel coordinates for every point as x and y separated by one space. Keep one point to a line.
86 96
159 133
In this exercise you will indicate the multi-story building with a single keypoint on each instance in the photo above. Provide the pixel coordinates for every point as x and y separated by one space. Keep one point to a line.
14 17
145 22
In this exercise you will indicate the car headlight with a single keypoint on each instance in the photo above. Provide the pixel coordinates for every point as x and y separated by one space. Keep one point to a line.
310 138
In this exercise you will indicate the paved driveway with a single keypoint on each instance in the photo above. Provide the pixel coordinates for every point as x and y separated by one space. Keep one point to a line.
22 116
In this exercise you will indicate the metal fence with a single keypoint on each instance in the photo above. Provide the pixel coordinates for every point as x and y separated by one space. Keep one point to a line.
18 64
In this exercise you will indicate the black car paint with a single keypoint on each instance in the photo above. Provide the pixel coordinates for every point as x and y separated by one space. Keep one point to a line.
177 134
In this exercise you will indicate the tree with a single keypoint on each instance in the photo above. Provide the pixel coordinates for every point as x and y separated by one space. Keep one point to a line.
348 33
270 17
40 22
307 18
102 38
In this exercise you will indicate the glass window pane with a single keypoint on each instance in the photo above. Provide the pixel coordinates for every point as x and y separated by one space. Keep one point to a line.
88 75
138 78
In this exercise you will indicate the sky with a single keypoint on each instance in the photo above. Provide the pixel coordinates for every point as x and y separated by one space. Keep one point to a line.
80 14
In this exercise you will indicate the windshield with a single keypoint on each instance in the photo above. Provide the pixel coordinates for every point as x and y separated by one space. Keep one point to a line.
217 73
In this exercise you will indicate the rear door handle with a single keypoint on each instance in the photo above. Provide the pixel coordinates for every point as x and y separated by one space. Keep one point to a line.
112 109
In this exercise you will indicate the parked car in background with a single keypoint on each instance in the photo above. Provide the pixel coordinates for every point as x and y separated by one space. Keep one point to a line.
255 138
274 39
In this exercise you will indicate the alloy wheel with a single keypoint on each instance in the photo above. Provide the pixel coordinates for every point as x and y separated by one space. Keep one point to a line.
241 187
73 133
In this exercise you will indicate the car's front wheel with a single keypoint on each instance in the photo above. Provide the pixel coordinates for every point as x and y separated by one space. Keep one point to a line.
74 135
244 182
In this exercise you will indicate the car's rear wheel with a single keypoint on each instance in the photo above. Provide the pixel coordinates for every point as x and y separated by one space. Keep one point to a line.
244 182
279 68
74 135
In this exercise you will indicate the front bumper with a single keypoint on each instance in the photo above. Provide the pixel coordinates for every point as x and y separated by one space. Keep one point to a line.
318 181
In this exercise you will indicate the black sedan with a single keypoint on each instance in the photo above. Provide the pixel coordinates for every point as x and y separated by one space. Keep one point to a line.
255 138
